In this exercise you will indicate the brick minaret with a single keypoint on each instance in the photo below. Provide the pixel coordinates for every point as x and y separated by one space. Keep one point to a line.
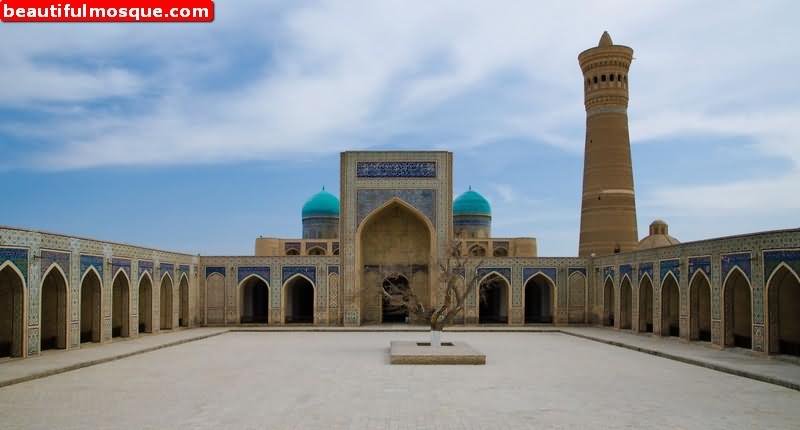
608 205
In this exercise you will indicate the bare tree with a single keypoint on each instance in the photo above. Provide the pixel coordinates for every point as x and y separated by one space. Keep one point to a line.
458 283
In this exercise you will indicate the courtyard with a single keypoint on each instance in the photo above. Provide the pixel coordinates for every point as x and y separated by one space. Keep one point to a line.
322 380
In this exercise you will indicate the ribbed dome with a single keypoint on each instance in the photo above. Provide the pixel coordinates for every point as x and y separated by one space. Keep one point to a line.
471 203
323 204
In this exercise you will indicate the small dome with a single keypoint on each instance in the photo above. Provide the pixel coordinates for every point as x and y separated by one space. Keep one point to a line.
659 236
471 203
605 40
322 204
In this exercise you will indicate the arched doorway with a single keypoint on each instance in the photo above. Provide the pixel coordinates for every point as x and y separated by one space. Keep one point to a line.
539 300
254 300
90 307
396 297
183 304
165 307
120 309
54 311
783 290
700 308
299 301
645 305
394 239
12 289
608 303
670 307
145 304
626 304
493 308
737 307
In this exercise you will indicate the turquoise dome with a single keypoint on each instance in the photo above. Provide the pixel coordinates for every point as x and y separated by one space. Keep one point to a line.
322 204
471 203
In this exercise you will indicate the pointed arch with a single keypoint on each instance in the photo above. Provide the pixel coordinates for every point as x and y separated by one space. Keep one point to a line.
183 300
422 237
700 306
53 317
539 298
253 293
165 308
608 301
670 305
298 298
646 304
120 304
737 306
494 299
783 310
145 303
13 314
91 305
626 303
577 297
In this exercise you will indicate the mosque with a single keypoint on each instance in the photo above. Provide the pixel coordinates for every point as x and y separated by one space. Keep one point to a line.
397 217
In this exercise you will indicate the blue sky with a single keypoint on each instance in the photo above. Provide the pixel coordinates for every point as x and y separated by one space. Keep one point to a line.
199 138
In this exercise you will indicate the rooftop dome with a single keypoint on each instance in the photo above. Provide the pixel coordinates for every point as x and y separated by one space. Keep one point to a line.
659 236
471 203
322 204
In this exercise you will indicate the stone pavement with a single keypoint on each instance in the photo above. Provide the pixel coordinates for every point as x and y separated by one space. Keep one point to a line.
54 362
342 380
735 361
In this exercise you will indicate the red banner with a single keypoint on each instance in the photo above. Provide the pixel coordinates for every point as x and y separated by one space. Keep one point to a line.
107 11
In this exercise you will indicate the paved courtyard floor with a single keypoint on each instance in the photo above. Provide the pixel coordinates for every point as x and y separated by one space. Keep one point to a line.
329 380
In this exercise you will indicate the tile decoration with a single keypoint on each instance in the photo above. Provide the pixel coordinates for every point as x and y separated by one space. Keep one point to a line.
210 270
17 256
184 268
646 268
700 263
626 269
146 266
166 268
774 258
551 272
61 259
673 266
367 200
245 271
396 169
505 271
741 259
323 245
309 272
333 269
88 261
121 263
608 271
289 246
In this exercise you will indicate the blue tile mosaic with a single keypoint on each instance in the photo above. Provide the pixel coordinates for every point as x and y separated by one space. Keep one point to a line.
88 261
774 258
551 272
700 263
210 270
184 268
309 272
145 266
166 268
424 200
121 263
244 272
62 259
18 257
645 268
504 271
667 266
608 271
396 169
626 269
741 259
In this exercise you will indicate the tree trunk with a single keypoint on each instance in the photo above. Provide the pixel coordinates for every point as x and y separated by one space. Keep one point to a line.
436 338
